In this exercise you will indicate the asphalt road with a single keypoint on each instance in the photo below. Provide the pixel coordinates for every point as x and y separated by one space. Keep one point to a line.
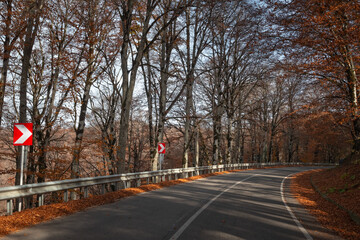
243 205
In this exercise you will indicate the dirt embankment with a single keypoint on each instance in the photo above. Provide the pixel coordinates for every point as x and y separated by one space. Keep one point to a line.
341 185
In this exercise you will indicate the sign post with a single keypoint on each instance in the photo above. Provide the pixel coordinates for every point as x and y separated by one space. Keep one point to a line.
23 133
161 151
161 160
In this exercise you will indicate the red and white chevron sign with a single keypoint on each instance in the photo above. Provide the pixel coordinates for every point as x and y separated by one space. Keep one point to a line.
23 133
161 148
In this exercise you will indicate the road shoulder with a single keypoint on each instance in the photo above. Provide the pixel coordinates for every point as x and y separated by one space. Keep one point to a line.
309 222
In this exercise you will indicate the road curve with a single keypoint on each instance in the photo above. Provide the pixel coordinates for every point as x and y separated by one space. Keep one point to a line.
243 205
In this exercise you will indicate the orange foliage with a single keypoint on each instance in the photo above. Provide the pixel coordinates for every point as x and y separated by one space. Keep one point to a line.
322 139
320 40
329 215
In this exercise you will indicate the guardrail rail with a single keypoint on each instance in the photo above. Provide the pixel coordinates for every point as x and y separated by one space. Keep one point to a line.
40 189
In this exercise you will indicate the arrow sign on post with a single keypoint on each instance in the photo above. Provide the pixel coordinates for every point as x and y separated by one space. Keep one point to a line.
23 133
161 148
161 151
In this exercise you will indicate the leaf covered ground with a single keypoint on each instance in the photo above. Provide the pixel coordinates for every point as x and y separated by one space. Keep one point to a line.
341 184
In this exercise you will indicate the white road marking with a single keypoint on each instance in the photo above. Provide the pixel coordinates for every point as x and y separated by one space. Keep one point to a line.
300 226
193 217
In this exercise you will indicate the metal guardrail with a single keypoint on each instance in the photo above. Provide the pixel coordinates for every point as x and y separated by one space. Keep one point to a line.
13 192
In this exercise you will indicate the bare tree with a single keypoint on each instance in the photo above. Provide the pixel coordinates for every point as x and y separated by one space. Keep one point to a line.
96 19
12 28
33 12
126 10
196 40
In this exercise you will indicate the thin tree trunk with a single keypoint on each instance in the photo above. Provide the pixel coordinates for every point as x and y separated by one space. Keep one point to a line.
5 66
197 147
149 95
75 166
129 82
185 158
31 31
230 140
188 104
353 88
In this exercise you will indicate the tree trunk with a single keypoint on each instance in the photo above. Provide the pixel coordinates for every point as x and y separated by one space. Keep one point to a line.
5 66
149 95
230 140
31 31
197 147
188 105
355 154
217 138
129 82
162 102
353 89
75 166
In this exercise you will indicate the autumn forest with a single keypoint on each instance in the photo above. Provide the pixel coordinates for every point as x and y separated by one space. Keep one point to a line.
103 82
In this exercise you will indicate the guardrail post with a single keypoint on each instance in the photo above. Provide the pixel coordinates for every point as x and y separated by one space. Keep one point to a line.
138 182
147 181
9 207
66 196
170 177
176 176
102 191
86 192
41 200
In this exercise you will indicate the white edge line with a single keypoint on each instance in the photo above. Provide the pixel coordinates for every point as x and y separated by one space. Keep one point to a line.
193 217
300 226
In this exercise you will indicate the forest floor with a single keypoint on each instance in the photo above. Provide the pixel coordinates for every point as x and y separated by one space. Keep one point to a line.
340 184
